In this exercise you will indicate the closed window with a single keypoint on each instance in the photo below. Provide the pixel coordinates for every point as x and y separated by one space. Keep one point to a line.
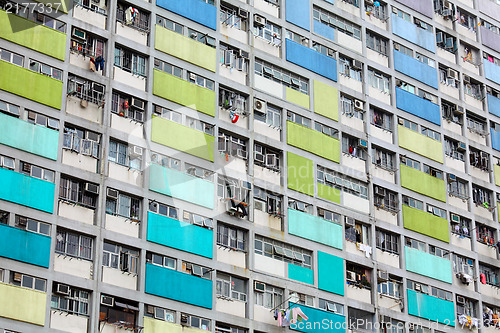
230 237
123 205
70 299
387 241
73 244
271 297
231 287
120 257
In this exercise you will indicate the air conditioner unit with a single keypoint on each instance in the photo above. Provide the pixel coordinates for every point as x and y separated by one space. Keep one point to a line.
92 188
112 193
62 289
349 221
192 76
243 54
98 88
242 13
461 146
403 159
460 300
350 276
446 13
107 300
136 151
427 96
330 52
259 286
453 74
417 21
259 157
78 33
384 276
380 191
362 143
259 105
259 20
241 153
357 64
230 209
184 319
430 209
194 35
459 110
137 103
22 221
358 104
153 206
295 82
399 83
246 185
452 177
418 287
150 309
466 78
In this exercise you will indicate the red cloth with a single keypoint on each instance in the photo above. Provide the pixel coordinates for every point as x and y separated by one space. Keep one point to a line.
482 278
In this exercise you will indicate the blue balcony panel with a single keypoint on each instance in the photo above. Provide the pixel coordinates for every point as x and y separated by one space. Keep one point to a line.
297 12
324 30
494 105
195 10
310 59
412 33
415 69
418 106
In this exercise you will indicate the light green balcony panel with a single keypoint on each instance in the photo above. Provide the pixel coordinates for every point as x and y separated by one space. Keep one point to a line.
329 193
185 48
28 84
326 100
183 92
420 144
300 174
312 141
183 138
426 223
23 304
32 35
423 183
496 169
297 97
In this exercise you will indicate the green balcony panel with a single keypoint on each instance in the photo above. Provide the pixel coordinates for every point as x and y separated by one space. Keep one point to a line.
431 308
35 139
185 48
297 97
34 36
183 138
423 183
329 193
426 223
182 186
427 264
315 228
326 100
420 144
23 304
301 274
312 141
330 273
183 92
300 174
28 84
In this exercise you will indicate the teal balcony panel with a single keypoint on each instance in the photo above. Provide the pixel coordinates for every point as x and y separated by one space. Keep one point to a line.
427 264
315 228
301 274
431 308
330 273
25 246
319 321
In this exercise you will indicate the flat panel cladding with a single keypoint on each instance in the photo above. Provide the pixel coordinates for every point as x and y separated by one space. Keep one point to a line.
193 142
421 6
26 305
491 70
330 273
178 286
493 105
431 308
319 321
25 246
300 174
195 10
412 33
326 100
315 228
27 191
415 69
28 84
160 326
422 183
420 144
490 8
297 12
324 30
310 59
426 223
180 235
297 97
495 139
35 139
35 36
301 274
496 171
312 141
418 106
429 265
329 193
489 38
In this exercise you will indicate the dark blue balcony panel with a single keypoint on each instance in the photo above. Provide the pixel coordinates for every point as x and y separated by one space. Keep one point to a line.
412 33
195 10
495 139
25 246
415 69
494 105
418 106
491 71
310 59
178 286
297 12
324 30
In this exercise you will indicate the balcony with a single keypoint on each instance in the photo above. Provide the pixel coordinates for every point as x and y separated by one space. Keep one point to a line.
178 286
68 322
310 59
420 144
127 125
313 141
270 266
185 48
431 308
412 33
422 183
301 274
25 246
273 221
417 106
119 278
335 322
122 225
32 302
231 306
180 235
298 12
89 111
358 294
426 223
489 38
324 30
195 10
491 71
415 69
297 97
74 266
34 36
193 142
329 193
493 105
97 18
76 212
133 80
181 186
28 84
231 257
183 92
160 326
387 258
495 139
318 229
429 265
300 175
331 273
325 100
27 191
349 42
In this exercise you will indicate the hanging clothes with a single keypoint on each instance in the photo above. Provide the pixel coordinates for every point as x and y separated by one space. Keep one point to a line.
297 315
482 278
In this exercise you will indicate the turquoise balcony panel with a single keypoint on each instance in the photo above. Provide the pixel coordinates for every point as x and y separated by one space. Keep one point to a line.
301 274
427 264
415 69
412 33
35 139
195 10
324 30
431 308
319 321
25 246
297 12
330 273
418 106
493 105
317 229
182 186
178 286
180 235
495 139
26 191
310 59
491 71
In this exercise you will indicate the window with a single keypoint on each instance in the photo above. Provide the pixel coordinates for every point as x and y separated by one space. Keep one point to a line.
233 101
197 270
86 90
465 19
476 125
473 89
130 61
168 68
329 215
168 114
438 252
195 322
337 22
73 244
269 31
81 141
390 288
387 241
466 306
341 182
386 199
349 108
123 313
11 57
353 146
490 26
93 6
267 157
460 225
72 300
232 57
90 46
320 48
383 158
283 252
406 86
45 70
42 120
433 171
446 41
356 232
409 162
232 145
160 260
454 149
350 68
458 188
78 191
481 196
358 275
415 244
201 81
271 297
127 106
230 237
224 328
376 43
327 130
298 119
162 209
301 206
267 202
4 219
227 286
31 225
448 76
27 281
230 16
10 109
490 274
120 257
379 81
298 298
36 171
485 235
423 288
463 265
331 306
405 16
268 114
413 203
159 313
436 211
451 112
430 133
379 11
201 37
200 125
119 153
199 220
282 76
138 18
165 161
171 25
123 205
